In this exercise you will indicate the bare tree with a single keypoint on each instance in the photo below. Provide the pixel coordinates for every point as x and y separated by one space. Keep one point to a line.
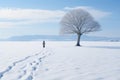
78 21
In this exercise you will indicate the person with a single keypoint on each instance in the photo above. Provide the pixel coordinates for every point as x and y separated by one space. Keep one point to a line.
43 44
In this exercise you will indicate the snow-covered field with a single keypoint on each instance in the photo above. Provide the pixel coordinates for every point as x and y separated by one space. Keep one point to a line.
59 61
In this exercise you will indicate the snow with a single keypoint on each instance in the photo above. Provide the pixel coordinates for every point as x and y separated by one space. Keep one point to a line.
60 60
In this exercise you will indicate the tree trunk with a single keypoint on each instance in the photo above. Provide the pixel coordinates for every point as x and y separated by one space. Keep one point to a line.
78 40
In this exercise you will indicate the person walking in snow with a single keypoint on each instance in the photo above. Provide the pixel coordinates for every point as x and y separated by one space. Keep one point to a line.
43 44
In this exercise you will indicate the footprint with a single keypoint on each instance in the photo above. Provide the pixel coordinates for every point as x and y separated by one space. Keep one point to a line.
37 63
100 78
46 69
30 77
1 75
31 64
40 59
20 76
34 68
77 68
34 61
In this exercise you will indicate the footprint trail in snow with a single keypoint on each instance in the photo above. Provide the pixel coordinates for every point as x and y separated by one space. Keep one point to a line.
24 69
